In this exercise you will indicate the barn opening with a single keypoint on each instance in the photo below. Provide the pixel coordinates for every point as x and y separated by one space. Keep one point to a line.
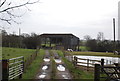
59 41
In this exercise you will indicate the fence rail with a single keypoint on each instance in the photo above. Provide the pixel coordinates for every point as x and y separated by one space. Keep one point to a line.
29 59
12 68
16 67
88 62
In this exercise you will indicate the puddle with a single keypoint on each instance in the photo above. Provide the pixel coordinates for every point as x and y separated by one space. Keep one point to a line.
65 77
57 60
44 67
42 76
46 60
61 68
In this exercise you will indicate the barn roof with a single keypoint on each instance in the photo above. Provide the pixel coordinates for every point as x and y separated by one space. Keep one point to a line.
57 34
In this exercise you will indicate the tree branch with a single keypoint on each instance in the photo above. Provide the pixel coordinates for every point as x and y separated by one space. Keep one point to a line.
6 20
3 3
18 6
13 14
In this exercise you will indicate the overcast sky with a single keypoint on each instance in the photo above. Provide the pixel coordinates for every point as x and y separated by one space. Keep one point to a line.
80 17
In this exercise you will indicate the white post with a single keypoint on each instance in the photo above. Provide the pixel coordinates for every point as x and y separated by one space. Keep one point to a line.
119 20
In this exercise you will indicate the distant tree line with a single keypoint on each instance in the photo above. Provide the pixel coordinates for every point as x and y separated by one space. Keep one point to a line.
31 41
101 44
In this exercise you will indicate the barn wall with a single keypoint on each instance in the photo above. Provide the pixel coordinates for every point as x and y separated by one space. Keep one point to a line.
68 40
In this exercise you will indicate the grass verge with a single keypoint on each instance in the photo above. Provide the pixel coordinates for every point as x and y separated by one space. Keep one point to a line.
53 76
31 71
76 73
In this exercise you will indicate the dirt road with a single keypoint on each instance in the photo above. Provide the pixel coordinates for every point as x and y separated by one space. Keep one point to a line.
46 70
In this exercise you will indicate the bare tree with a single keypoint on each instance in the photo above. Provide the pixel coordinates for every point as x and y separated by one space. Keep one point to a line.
8 8
100 36
87 37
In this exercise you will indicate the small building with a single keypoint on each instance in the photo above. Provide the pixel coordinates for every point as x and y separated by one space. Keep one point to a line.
67 41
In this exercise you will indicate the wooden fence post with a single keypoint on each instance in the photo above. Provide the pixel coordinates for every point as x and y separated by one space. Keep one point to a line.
102 64
71 57
75 61
36 52
31 59
87 64
5 71
97 72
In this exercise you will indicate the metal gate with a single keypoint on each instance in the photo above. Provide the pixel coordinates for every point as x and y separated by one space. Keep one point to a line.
107 73
12 68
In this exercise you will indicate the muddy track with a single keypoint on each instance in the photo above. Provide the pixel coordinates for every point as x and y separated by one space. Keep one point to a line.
62 72
47 69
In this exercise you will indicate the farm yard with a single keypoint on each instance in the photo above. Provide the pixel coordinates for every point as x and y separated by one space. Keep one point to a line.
33 70
54 57
51 64
71 40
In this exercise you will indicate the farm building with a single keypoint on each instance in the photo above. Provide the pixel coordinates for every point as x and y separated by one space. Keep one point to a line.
65 41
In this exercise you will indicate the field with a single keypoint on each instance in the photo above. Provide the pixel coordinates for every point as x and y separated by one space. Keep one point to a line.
52 45
8 53
83 48
34 67
95 54
31 71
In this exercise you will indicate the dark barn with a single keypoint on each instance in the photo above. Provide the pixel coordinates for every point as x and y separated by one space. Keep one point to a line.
67 41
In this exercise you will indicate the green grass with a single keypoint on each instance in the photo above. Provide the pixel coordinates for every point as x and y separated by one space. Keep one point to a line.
83 48
32 70
95 54
0 53
8 53
76 73
53 76
52 45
